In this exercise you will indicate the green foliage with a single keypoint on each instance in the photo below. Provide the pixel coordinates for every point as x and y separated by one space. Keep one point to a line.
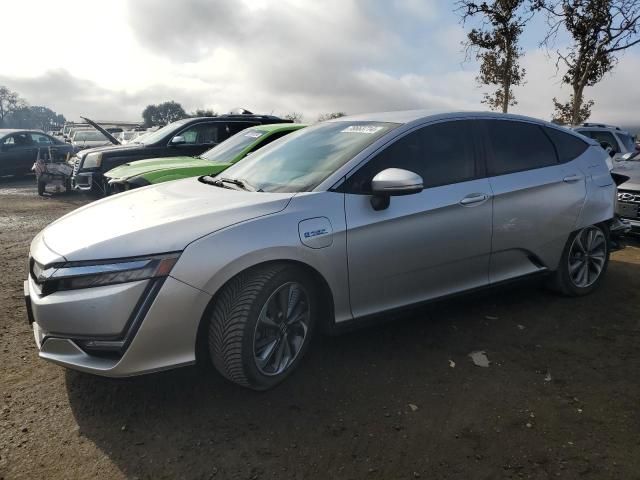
9 102
563 114
163 114
36 117
495 46
204 112
598 29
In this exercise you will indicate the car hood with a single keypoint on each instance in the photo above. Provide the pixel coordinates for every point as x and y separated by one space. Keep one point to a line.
114 148
159 218
92 143
140 167
631 170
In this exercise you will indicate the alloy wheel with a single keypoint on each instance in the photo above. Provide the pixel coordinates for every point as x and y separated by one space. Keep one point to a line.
587 257
281 329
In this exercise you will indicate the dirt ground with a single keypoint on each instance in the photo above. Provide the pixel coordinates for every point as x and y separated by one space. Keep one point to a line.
399 400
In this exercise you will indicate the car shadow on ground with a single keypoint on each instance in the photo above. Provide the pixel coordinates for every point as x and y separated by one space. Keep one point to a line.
389 400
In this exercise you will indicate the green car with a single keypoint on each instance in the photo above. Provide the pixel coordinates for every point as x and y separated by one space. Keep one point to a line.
213 161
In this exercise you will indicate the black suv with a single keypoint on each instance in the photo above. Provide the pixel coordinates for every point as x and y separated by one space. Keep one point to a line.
187 137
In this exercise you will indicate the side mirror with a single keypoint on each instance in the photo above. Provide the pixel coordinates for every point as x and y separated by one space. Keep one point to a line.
393 182
178 140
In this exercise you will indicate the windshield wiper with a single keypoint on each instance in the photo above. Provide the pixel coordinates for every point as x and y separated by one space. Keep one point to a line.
209 180
243 184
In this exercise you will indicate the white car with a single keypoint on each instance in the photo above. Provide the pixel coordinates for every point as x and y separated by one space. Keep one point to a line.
620 141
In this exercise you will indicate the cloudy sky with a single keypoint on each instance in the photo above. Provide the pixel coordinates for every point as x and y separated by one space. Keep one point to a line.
108 60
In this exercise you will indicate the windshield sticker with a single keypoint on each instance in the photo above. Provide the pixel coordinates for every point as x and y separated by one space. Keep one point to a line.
253 134
367 129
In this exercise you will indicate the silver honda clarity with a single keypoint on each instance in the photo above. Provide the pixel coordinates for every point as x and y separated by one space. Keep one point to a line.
343 220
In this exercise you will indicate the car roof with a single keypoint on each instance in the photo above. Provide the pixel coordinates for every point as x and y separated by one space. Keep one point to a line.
590 126
278 127
411 116
7 131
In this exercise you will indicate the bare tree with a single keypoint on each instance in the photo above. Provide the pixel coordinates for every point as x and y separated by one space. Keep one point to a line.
9 103
295 117
495 45
599 30
330 116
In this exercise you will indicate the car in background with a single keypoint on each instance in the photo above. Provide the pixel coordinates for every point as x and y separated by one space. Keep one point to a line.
345 220
628 204
127 135
187 137
211 162
620 141
19 149
83 139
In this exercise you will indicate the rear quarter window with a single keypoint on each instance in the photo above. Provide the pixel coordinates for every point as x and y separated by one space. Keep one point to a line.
568 146
517 146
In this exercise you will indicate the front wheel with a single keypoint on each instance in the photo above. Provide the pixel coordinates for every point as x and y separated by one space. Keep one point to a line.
261 325
584 262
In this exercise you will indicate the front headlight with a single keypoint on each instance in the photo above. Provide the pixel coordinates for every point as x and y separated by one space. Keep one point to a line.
75 275
92 160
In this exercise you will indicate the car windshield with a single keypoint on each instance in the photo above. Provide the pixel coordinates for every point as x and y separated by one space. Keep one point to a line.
88 136
306 157
230 148
153 137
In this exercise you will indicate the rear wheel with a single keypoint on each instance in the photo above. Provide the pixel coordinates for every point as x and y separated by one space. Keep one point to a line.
584 262
261 325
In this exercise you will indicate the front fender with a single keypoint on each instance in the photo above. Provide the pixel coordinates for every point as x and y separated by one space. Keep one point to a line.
210 262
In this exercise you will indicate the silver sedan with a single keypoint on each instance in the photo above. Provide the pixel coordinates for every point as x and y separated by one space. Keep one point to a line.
344 220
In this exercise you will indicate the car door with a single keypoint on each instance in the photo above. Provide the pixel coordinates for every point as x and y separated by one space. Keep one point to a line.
536 198
424 245
18 153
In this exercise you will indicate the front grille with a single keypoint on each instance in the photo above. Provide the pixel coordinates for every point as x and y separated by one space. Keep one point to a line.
627 196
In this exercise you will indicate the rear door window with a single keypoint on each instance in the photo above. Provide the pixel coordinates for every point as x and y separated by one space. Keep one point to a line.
568 146
517 146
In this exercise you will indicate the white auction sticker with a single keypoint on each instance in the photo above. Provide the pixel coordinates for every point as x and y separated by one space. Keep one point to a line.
253 134
368 129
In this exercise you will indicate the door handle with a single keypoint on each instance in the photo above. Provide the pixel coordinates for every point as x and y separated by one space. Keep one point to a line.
572 178
474 199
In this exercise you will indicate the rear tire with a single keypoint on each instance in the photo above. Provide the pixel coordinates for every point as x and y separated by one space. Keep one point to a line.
261 325
584 262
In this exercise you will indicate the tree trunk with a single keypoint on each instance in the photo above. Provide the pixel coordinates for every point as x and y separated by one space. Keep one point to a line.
505 100
576 104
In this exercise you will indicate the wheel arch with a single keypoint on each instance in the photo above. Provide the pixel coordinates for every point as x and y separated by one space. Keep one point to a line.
326 301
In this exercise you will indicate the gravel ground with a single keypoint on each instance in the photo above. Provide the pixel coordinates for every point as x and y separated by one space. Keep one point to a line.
399 400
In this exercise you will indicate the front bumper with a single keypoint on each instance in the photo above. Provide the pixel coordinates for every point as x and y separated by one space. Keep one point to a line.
159 324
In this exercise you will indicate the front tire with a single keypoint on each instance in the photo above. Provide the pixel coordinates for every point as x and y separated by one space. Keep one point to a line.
584 262
261 325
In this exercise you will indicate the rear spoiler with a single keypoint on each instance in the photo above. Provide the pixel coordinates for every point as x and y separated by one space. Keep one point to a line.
111 138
